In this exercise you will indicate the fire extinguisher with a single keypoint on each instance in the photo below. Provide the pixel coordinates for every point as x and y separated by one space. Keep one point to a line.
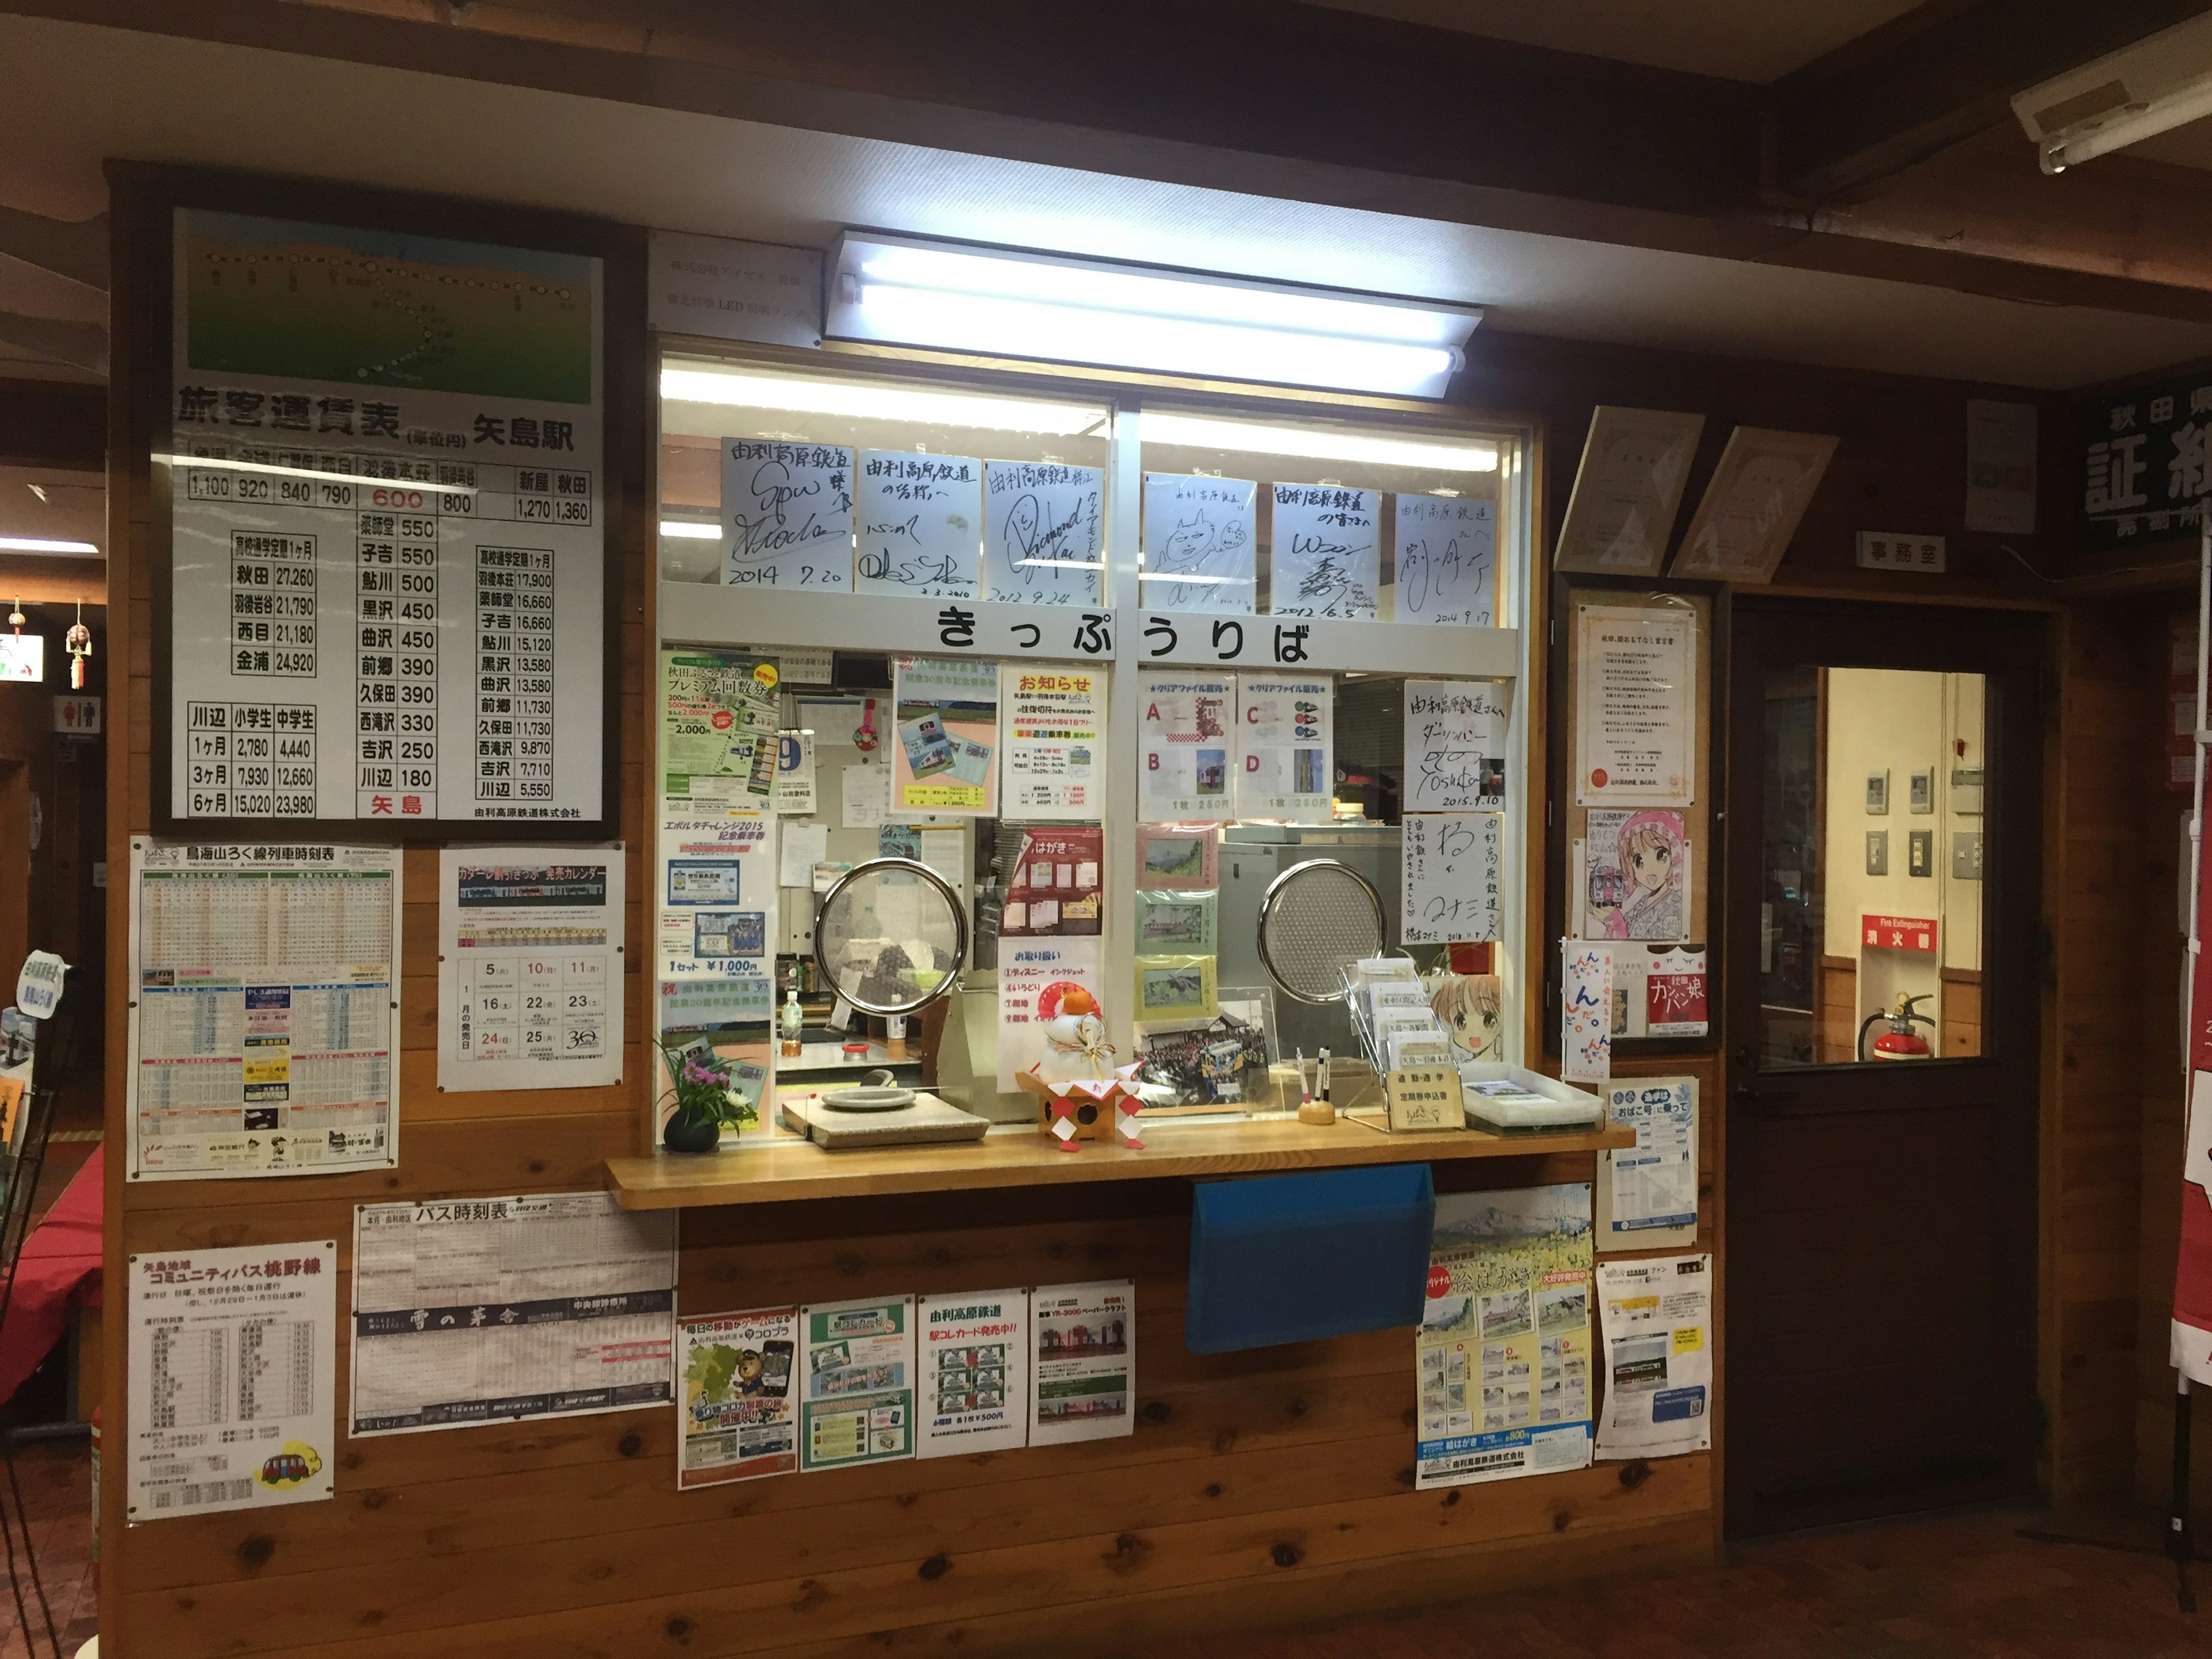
1900 1040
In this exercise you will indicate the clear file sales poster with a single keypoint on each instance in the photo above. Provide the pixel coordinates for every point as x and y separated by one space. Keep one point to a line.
388 511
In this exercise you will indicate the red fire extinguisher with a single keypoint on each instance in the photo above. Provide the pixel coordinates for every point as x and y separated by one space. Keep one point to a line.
1900 1040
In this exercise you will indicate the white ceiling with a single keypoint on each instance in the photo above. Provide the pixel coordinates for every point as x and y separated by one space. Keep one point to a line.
78 94
1759 40
74 508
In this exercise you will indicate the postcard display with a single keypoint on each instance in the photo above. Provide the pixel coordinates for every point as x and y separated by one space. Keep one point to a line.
388 599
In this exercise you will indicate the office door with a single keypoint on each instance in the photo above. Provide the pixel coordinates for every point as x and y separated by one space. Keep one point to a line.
1882 903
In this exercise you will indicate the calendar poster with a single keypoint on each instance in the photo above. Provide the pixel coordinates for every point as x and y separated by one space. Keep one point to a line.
388 488
265 1010
500 1309
530 988
234 1379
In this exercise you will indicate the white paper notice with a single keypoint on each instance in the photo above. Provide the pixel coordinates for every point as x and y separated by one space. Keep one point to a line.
265 980
1044 537
1034 975
234 1379
805 845
1657 1319
1326 551
530 967
1183 747
1084 1372
921 523
1455 746
1446 548
1586 1012
1452 865
786 515
795 774
1199 540
2000 467
1054 741
1636 680
866 792
1286 748
975 1371
496 1309
738 1414
1647 1193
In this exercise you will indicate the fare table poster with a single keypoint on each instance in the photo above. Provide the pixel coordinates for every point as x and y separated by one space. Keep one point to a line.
530 983
265 1004
387 601
233 1370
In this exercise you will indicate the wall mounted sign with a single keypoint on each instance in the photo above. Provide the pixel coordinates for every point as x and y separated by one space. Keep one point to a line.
1753 504
1627 490
2144 463
1899 933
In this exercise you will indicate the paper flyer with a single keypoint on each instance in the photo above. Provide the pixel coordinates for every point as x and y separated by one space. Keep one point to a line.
1450 873
1456 745
1055 750
859 1378
974 1371
718 716
1326 551
795 774
1647 1193
1083 1346
717 905
530 967
1181 858
1183 746
1657 1321
1057 887
1286 748
944 755
786 515
1447 560
1636 680
1585 1011
1035 976
737 1413
1199 538
1044 539
1636 875
921 522
1175 988
1503 1355
1174 923
234 1379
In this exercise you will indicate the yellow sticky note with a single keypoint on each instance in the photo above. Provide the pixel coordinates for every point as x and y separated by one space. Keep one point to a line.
1688 1339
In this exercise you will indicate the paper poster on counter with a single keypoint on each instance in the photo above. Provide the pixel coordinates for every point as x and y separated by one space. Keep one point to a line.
737 1412
718 716
1083 1373
1044 535
1657 1319
1055 747
1446 548
1647 1193
1450 876
921 524
857 1371
1286 748
1659 991
1183 746
974 1354
1586 1011
530 966
1636 875
786 515
1635 675
234 1379
1057 887
1455 746
503 1309
1199 538
1326 552
945 758
795 774
264 1039
1035 976
1503 1355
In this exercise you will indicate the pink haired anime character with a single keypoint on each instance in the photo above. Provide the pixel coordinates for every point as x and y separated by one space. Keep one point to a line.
1648 900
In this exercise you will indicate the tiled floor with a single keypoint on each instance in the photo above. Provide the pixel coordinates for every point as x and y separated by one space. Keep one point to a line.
57 1491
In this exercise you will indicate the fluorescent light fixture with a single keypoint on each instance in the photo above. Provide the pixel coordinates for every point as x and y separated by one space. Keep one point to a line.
41 544
2161 82
690 529
1320 444
801 394
900 290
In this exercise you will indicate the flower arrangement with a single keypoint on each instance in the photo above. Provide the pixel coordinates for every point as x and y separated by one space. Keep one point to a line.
706 1101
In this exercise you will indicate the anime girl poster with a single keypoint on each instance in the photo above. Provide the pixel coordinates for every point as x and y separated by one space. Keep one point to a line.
1635 872
1471 1010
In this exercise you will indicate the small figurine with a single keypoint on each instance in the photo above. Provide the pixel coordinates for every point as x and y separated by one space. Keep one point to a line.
1081 1094
1075 1045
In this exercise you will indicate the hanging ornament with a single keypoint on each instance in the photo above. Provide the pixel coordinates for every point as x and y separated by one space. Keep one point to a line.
78 643
16 618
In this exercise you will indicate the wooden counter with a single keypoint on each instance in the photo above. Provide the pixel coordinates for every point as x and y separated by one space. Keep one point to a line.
792 1169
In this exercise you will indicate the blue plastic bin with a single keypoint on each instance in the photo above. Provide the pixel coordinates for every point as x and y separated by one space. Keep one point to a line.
1291 1258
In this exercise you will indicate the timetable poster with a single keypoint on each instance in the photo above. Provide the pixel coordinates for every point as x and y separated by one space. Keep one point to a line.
234 1379
265 1001
499 1309
388 519
530 986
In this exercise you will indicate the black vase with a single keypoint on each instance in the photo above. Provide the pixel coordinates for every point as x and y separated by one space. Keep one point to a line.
687 1134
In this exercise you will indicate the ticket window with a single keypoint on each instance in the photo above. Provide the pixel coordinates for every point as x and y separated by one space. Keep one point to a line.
1872 866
